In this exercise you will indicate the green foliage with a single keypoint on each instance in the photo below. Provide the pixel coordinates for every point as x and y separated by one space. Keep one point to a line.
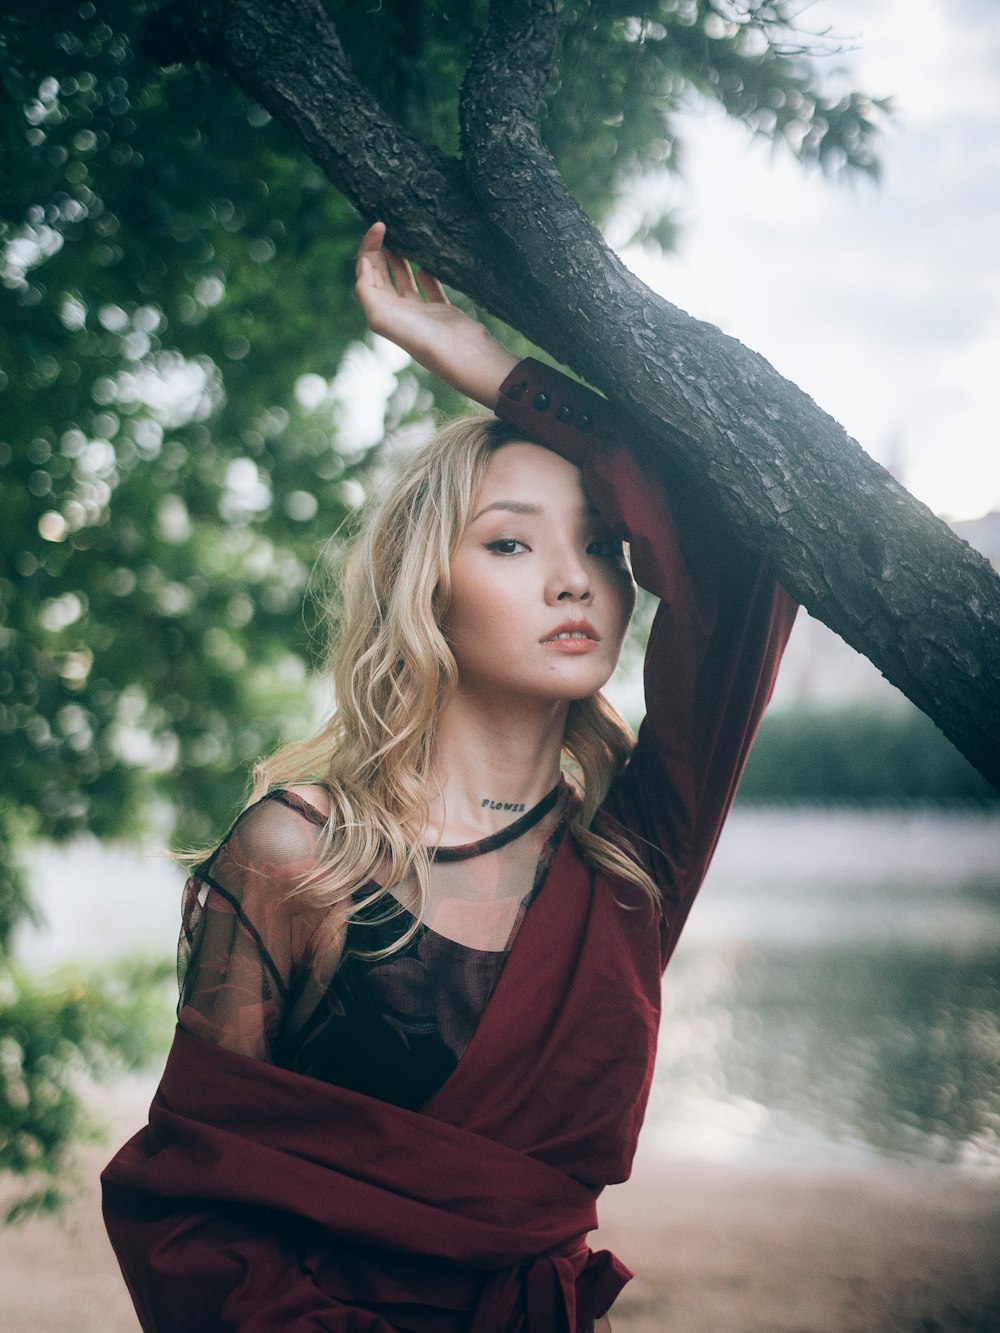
622 79
858 756
53 1035
15 899
171 267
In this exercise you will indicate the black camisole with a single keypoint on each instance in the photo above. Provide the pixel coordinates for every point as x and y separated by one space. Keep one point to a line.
394 1027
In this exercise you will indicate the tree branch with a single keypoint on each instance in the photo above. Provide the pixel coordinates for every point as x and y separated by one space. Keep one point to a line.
851 543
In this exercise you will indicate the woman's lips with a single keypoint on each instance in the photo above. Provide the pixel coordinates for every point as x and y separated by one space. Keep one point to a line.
573 638
574 645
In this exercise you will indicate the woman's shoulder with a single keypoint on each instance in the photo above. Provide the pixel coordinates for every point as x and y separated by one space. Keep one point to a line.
279 837
311 799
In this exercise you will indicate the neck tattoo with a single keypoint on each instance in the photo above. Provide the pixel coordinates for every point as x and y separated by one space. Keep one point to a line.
515 807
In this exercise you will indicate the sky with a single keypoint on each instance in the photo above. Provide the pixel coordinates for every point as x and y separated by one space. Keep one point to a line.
882 301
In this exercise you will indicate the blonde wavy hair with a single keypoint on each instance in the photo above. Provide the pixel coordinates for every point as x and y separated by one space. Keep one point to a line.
392 671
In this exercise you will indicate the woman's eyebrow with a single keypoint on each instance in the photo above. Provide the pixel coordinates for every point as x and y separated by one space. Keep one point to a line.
511 506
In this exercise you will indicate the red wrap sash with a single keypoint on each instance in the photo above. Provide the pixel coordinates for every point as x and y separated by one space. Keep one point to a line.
257 1199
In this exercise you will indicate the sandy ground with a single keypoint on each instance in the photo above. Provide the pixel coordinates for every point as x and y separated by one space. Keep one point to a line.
717 1249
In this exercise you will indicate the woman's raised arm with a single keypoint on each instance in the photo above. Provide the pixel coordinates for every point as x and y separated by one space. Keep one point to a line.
414 312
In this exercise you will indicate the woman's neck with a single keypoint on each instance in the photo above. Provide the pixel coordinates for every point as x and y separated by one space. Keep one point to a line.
491 764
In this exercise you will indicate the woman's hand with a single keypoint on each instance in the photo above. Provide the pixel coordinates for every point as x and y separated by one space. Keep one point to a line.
415 313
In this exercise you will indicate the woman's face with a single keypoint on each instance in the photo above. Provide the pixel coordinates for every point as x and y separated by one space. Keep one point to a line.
541 593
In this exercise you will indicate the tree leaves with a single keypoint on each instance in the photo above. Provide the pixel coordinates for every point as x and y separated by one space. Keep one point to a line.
159 308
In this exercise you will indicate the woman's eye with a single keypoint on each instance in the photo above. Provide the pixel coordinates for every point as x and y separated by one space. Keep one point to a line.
608 547
506 546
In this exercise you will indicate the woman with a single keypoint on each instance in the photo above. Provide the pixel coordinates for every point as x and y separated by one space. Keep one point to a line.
421 976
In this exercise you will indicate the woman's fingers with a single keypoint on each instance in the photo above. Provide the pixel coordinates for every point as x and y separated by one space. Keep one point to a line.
402 274
371 247
431 288
379 267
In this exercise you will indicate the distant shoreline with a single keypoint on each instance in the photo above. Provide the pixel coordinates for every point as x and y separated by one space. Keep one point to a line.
101 901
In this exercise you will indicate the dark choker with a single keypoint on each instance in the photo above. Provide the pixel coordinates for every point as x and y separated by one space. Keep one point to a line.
505 835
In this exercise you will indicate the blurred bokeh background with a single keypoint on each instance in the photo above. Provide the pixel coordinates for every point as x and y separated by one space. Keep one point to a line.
190 413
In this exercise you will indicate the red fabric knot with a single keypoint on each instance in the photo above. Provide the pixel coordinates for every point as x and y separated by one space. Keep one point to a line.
552 1293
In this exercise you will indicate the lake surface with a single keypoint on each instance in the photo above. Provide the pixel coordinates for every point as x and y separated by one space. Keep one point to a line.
835 999
836 996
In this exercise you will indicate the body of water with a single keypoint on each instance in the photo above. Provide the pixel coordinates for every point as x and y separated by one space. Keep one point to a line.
835 998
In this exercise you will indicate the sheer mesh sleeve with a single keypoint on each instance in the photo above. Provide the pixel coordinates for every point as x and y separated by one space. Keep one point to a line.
248 947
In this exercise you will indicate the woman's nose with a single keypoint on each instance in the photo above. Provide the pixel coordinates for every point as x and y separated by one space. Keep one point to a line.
570 583
568 595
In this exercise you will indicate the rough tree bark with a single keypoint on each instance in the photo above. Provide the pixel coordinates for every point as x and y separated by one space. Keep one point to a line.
847 540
